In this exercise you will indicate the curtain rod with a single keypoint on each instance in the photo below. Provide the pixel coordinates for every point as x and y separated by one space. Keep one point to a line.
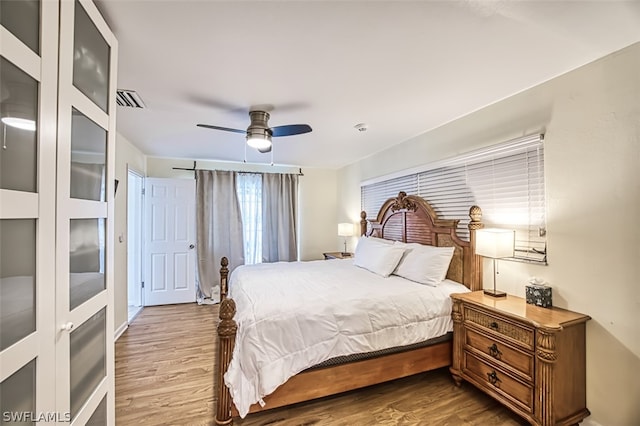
193 169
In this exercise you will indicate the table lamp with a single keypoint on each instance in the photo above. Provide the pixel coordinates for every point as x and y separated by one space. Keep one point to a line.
345 230
495 244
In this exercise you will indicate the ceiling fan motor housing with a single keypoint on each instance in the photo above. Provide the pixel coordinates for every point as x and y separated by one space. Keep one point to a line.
259 129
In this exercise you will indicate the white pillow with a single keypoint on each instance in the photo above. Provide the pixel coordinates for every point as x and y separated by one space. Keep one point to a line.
376 256
424 264
379 240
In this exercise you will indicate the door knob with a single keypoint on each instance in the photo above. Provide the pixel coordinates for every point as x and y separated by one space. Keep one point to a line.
191 246
66 327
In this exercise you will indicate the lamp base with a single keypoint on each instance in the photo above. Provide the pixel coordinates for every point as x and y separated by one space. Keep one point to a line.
495 293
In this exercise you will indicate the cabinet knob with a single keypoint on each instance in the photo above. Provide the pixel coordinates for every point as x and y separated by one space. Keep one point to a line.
494 325
493 378
494 351
66 327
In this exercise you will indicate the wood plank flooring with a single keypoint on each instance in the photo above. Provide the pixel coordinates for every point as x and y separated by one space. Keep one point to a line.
164 376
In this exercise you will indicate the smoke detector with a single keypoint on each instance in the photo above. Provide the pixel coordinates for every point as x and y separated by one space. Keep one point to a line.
362 127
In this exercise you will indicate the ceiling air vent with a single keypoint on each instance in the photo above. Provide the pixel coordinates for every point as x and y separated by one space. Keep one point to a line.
129 99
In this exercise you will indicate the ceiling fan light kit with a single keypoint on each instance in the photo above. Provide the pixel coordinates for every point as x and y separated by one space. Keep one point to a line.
260 141
259 134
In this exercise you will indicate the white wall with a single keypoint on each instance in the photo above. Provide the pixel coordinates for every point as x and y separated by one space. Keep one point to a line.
127 156
317 203
318 221
591 121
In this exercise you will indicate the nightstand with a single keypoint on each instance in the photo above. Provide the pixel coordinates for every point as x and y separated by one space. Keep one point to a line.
337 255
531 359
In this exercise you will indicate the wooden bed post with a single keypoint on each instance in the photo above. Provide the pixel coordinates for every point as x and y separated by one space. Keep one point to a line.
224 274
475 213
457 350
227 329
363 223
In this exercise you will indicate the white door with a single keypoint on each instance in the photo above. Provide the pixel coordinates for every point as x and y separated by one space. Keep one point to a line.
170 261
85 215
29 76
56 210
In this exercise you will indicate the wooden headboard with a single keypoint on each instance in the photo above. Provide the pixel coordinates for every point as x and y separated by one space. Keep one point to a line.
410 219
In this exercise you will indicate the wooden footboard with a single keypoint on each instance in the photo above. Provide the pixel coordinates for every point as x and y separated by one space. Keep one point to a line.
317 383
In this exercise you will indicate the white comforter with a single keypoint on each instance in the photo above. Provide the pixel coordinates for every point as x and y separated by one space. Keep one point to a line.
292 316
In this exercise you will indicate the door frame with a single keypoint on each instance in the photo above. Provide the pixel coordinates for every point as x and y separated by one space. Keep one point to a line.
135 241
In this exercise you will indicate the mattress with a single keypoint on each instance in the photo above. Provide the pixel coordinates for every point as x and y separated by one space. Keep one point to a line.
293 316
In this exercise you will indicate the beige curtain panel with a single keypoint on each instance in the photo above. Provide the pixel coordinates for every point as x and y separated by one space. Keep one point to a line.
279 217
218 228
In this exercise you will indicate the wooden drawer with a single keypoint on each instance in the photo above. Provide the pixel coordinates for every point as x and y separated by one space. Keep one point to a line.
494 379
506 356
514 332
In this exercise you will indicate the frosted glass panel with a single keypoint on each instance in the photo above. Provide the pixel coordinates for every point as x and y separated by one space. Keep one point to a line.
19 116
99 417
88 359
86 259
17 280
18 396
90 59
22 19
88 158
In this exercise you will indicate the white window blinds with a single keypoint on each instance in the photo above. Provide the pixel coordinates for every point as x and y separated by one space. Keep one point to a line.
505 180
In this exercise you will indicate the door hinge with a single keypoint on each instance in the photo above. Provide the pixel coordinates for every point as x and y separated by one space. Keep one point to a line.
142 191
142 284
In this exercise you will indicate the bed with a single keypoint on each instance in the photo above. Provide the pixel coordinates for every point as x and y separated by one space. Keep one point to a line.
374 355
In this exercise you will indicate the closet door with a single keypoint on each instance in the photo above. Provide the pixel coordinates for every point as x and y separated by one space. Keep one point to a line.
84 219
28 102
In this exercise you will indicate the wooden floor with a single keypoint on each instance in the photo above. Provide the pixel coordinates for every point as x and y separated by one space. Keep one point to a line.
164 376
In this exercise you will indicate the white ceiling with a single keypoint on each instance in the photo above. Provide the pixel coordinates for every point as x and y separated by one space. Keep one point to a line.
401 67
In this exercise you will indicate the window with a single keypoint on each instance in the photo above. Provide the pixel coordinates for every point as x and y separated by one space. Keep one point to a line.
249 189
505 180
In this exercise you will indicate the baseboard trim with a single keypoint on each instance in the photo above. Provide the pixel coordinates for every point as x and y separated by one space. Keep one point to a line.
123 327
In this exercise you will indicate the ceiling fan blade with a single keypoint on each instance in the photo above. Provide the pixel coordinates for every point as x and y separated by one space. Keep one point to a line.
226 129
290 130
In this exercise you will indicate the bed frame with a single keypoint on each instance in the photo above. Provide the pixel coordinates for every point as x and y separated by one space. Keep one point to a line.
406 218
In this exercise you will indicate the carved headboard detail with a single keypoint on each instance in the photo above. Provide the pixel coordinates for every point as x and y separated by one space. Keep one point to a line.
411 219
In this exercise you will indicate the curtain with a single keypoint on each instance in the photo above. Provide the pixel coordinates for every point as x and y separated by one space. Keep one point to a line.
279 217
218 229
249 190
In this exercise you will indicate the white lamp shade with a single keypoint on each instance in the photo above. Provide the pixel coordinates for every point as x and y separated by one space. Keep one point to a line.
345 229
495 243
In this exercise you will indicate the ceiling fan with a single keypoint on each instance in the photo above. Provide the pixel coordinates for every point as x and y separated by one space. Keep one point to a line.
259 133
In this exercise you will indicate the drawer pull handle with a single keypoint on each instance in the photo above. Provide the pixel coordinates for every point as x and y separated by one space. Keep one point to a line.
494 325
493 378
494 351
